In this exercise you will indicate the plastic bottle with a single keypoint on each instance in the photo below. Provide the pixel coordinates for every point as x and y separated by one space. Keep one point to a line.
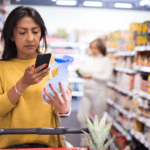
62 76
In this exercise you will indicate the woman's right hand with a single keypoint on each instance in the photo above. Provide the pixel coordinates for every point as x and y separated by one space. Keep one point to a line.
34 75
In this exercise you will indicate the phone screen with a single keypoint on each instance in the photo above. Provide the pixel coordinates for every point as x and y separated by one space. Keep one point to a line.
43 59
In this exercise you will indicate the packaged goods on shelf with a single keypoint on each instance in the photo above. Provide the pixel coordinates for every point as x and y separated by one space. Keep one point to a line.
139 28
140 110
112 94
146 27
138 126
137 81
134 105
120 141
144 85
124 80
142 82
143 58
125 62
146 108
147 133
143 40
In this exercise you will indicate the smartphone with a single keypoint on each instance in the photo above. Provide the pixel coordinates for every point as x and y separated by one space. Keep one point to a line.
43 59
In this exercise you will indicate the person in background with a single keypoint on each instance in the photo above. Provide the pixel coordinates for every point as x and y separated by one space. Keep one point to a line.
21 84
96 71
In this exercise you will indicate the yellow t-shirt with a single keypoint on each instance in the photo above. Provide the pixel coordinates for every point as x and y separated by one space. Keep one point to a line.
30 110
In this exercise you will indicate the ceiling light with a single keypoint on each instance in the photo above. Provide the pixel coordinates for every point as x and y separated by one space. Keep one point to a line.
123 5
69 3
92 3
53 0
144 2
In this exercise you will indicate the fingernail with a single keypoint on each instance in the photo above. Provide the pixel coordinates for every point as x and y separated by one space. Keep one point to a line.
45 64
59 83
50 85
33 65
44 96
44 89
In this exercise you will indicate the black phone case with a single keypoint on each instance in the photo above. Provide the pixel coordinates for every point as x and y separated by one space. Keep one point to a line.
43 59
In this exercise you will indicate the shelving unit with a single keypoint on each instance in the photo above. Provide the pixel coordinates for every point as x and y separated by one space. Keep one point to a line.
139 136
118 127
125 53
120 89
125 70
142 68
142 48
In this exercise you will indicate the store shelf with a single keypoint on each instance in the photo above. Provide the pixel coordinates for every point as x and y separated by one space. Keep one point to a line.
77 93
119 88
125 70
142 48
124 91
76 80
129 114
118 127
110 102
140 137
140 118
111 84
142 68
147 123
119 108
142 94
111 50
125 53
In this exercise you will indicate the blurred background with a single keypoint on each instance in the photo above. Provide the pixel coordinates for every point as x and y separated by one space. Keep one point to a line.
124 25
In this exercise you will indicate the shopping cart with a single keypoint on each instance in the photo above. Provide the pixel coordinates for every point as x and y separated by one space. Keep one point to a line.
47 131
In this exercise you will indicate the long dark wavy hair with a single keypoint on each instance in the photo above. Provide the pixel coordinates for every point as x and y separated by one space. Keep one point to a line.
100 45
10 50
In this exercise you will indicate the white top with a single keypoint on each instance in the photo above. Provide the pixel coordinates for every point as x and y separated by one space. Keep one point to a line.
101 69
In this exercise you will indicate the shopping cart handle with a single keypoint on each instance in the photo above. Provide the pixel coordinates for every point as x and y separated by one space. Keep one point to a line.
42 131
74 131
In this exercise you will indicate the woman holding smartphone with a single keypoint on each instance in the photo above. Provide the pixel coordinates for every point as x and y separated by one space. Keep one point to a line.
21 84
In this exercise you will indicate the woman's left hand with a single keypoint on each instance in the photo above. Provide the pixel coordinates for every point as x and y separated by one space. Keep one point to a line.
61 103
88 76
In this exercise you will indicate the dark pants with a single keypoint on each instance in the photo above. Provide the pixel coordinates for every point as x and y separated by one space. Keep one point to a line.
30 145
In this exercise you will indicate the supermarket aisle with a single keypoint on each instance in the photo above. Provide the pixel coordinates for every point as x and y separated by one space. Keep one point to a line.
72 122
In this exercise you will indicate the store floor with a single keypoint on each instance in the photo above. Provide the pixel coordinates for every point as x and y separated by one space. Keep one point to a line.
72 122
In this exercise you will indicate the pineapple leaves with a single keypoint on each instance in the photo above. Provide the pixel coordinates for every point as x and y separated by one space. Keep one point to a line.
90 142
96 121
102 122
98 133
108 143
88 120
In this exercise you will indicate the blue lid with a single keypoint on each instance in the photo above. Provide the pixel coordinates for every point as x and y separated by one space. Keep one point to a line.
64 59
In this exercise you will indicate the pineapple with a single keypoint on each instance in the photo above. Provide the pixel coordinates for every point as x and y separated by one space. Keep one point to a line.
98 133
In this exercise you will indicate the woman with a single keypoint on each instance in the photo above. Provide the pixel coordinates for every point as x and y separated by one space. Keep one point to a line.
21 84
96 71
